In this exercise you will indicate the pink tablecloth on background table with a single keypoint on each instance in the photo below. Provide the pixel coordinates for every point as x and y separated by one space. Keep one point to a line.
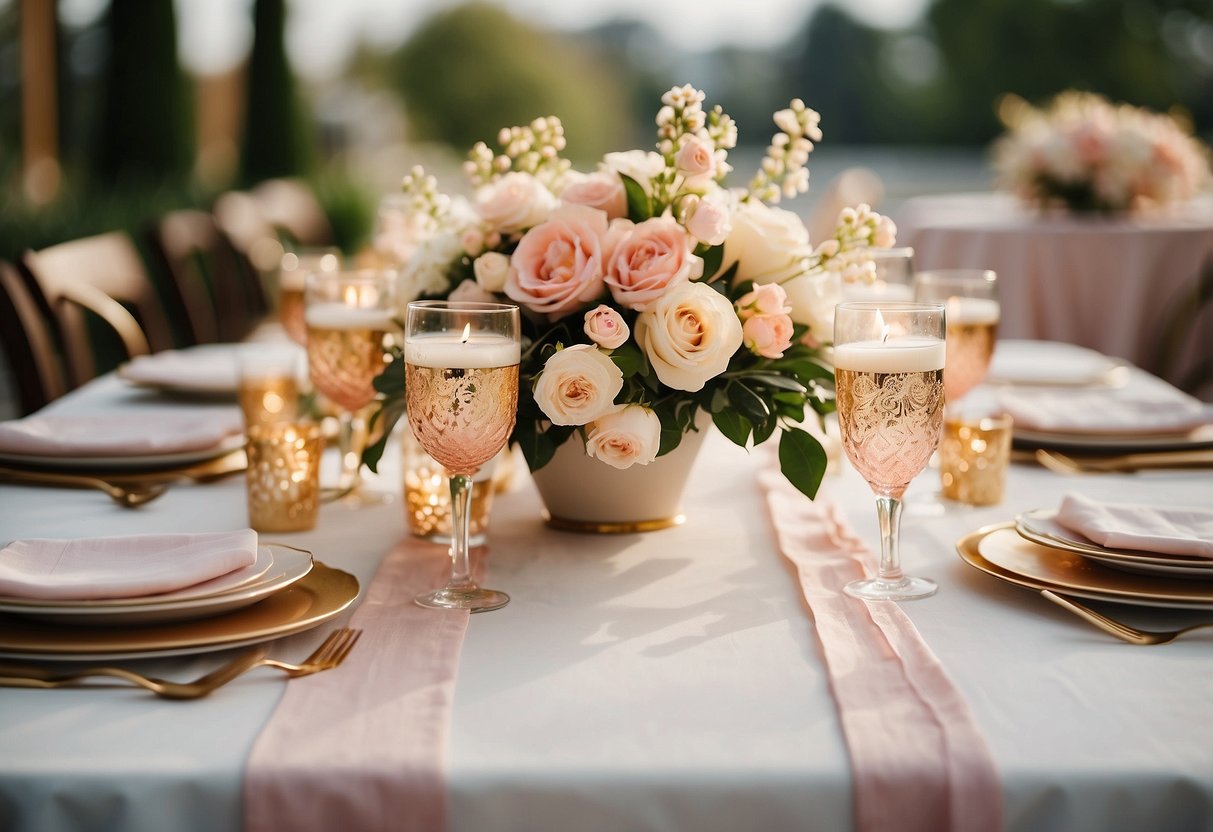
1110 284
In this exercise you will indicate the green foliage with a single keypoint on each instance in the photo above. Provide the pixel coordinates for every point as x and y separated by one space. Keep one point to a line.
277 137
470 70
146 125
350 209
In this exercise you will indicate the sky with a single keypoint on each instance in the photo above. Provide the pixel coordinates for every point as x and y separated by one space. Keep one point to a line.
215 34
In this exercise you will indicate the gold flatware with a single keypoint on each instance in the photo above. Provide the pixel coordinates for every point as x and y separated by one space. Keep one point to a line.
1124 464
130 495
331 653
1122 631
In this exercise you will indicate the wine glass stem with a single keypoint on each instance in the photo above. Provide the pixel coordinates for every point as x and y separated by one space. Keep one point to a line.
888 510
461 502
351 441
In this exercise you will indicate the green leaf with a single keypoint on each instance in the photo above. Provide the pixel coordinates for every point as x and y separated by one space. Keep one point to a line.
629 359
733 425
539 446
777 381
763 430
748 402
802 460
386 417
391 380
712 258
806 369
640 206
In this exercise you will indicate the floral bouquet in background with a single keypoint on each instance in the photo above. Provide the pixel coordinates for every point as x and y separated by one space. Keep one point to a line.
650 291
1084 153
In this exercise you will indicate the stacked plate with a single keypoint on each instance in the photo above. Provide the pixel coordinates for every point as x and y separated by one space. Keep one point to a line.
283 592
1037 552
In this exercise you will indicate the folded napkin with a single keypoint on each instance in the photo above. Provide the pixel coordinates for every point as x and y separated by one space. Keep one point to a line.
128 434
1172 530
120 567
1047 363
1154 411
209 367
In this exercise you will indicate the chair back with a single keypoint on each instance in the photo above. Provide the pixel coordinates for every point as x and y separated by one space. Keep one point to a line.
104 275
28 341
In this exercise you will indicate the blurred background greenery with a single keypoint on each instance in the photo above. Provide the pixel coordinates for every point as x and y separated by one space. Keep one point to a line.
139 133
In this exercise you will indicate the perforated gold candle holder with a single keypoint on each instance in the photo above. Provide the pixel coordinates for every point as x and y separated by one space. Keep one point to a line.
427 498
283 476
973 457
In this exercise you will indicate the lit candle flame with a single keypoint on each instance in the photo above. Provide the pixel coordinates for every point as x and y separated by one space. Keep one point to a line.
467 333
884 328
352 296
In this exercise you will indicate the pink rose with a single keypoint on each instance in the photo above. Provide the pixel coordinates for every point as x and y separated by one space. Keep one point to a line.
768 335
625 437
514 203
696 158
602 190
606 327
559 265
653 256
709 221
470 290
765 299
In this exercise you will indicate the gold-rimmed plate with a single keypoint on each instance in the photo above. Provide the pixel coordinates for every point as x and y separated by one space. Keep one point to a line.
320 596
1041 526
1000 551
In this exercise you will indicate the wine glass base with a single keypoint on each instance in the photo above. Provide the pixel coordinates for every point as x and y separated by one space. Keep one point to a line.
356 497
473 598
905 589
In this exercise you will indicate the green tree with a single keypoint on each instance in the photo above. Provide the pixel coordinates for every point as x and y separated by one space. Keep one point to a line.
146 124
470 71
277 138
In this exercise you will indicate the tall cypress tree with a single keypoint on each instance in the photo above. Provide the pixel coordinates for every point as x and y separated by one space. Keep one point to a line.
145 133
276 139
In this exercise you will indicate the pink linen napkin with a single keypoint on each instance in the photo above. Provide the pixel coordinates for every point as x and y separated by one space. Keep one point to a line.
131 434
1171 530
367 744
120 567
1106 411
918 759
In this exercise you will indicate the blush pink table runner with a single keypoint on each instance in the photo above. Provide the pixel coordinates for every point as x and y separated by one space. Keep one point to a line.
364 746
918 760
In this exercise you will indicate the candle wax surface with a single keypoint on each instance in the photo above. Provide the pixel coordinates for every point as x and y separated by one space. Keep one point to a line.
898 355
972 311
336 315
448 350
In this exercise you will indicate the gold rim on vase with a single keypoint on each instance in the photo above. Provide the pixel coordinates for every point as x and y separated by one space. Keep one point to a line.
563 524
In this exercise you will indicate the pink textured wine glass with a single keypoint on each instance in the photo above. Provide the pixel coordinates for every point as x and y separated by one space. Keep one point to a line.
461 385
888 373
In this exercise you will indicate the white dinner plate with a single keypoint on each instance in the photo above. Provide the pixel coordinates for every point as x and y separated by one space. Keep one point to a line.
318 597
1115 442
138 462
1041 526
289 565
1000 551
1054 364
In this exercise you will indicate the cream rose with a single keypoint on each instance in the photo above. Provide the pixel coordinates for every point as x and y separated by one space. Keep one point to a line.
514 203
600 190
578 385
768 244
625 437
689 334
470 290
652 257
491 270
708 221
559 265
813 298
636 164
606 327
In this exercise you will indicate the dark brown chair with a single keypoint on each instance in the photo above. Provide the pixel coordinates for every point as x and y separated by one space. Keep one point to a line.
103 275
27 339
221 301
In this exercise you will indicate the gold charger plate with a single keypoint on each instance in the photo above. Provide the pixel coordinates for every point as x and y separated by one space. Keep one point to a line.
321 595
1000 551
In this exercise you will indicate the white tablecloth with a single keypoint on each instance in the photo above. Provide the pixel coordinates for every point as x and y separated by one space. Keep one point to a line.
666 681
1108 284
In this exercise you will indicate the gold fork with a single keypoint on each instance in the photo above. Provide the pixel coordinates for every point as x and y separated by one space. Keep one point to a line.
1128 463
327 656
1122 631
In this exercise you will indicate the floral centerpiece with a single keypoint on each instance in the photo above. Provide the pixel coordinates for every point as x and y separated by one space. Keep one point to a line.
650 291
1085 153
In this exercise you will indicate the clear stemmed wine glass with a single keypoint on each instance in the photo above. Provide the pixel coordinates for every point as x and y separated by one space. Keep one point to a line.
461 386
894 277
971 298
292 278
349 314
888 372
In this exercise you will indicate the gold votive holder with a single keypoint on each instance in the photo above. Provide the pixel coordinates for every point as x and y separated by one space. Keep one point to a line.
283 476
427 496
268 385
973 458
